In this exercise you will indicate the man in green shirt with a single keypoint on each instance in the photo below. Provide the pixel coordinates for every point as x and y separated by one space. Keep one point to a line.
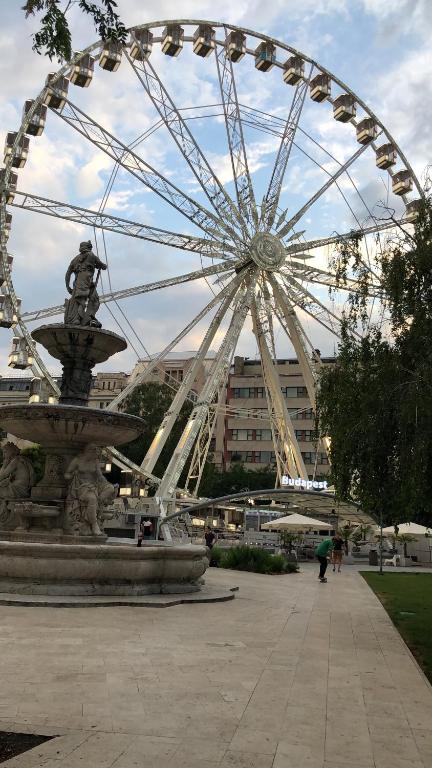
322 551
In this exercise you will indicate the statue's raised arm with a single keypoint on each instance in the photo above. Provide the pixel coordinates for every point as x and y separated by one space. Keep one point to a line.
81 308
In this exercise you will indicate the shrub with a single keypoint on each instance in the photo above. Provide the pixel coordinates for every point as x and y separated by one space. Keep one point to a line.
244 558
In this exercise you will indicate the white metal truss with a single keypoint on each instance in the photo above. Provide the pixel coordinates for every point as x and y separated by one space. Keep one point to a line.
111 223
153 179
332 178
156 361
271 199
126 293
228 233
217 373
184 139
203 443
242 178
172 414
288 455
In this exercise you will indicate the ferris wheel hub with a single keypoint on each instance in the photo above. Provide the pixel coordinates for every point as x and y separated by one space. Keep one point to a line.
267 251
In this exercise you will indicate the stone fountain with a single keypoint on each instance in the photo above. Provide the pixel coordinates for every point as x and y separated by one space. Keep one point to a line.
51 532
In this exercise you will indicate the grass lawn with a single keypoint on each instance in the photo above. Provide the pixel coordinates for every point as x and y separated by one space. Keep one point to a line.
407 598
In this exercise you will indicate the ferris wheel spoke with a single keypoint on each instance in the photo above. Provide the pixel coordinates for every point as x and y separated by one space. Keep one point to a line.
236 143
156 361
271 199
111 223
126 293
292 326
287 451
217 373
316 307
149 176
171 416
297 248
265 313
322 277
321 191
184 139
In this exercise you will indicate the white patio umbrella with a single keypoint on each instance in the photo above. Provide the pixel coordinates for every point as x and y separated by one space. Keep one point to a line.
295 522
413 528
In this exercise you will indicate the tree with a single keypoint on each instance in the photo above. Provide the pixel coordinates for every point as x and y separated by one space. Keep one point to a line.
376 401
54 37
150 402
215 483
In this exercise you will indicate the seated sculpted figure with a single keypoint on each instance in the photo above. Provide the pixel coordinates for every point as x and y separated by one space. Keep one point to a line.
16 474
89 492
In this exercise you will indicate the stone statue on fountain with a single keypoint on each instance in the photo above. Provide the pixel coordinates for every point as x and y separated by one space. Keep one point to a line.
89 492
16 474
84 302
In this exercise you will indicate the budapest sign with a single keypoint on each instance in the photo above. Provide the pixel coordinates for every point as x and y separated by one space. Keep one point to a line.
299 482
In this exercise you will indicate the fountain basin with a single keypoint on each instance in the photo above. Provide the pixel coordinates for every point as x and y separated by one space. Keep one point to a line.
99 569
52 425
81 342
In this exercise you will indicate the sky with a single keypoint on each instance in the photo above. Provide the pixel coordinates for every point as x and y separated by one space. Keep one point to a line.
379 48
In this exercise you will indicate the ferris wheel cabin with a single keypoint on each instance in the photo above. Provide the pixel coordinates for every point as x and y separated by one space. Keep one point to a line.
402 183
111 56
265 56
2 269
8 315
344 108
58 90
82 73
141 45
204 40
19 356
320 87
366 130
11 187
38 119
172 40
235 45
20 153
294 68
386 156
413 209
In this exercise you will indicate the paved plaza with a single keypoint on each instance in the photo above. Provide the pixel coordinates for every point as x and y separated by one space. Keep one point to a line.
290 674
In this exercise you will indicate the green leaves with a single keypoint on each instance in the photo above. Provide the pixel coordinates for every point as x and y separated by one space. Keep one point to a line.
54 37
376 402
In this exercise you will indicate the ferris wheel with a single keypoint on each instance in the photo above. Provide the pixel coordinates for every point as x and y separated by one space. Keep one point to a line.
271 160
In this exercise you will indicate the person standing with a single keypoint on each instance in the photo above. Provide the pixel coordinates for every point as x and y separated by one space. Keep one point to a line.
322 552
209 537
337 552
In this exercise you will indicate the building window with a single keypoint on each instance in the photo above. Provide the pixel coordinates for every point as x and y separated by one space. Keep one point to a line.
308 457
305 435
323 459
248 392
263 434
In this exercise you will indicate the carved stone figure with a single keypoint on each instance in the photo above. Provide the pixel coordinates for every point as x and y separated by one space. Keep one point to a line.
16 474
89 492
16 480
81 308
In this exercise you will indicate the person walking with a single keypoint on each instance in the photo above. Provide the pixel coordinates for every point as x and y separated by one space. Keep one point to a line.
337 552
322 552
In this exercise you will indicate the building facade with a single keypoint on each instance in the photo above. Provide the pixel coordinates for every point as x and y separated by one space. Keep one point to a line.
242 430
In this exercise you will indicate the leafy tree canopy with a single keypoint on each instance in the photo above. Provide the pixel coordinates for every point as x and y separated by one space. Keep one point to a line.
54 37
150 402
376 401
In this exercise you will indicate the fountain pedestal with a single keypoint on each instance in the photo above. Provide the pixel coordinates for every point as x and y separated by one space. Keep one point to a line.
55 544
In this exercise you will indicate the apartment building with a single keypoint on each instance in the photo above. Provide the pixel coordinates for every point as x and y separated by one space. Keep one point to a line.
246 437
242 431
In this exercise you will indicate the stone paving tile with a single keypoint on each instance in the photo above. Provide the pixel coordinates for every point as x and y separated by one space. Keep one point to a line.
291 674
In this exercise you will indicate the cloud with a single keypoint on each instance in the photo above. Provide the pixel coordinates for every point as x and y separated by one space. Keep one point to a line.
63 166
